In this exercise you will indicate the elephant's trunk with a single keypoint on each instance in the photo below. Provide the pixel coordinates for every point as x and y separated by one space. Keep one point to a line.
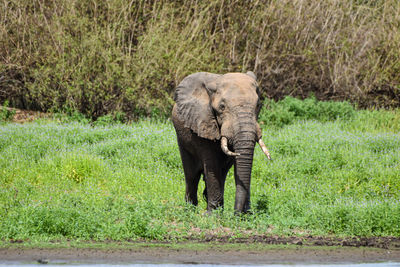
243 166
243 143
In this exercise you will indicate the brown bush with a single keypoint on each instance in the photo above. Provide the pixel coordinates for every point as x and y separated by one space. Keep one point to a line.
99 57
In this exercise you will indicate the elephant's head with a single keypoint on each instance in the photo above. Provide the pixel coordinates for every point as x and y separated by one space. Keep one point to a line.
225 108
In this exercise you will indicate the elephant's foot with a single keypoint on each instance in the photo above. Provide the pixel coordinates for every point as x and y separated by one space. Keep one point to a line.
191 199
215 204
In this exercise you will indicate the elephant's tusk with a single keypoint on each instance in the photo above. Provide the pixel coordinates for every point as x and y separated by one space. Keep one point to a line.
225 149
264 148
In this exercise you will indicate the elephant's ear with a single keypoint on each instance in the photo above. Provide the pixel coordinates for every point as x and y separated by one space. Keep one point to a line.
252 75
193 105
259 104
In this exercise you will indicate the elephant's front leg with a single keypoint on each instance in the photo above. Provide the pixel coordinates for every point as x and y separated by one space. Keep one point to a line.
192 171
215 181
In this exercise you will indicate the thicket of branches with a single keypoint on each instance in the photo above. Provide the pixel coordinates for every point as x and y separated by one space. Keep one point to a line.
99 57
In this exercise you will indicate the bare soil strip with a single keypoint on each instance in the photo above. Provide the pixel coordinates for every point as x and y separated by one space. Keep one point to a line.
212 255
375 242
217 250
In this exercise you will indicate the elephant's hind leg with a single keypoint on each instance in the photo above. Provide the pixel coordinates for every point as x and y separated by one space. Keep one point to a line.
192 171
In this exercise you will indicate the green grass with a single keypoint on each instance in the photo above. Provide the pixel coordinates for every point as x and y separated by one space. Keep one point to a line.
337 175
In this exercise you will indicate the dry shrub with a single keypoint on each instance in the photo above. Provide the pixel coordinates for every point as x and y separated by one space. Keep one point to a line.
99 57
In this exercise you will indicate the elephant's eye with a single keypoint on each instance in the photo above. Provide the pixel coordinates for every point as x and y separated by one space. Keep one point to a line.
221 107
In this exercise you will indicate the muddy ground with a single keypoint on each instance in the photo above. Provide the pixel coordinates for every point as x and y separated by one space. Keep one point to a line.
253 250
201 256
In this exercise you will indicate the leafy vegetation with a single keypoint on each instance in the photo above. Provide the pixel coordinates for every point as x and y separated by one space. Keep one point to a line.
291 109
102 57
6 114
335 170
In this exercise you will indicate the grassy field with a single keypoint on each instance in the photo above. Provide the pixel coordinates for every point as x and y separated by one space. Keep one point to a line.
335 171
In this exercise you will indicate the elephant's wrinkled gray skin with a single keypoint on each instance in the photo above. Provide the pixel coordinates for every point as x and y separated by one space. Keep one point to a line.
215 122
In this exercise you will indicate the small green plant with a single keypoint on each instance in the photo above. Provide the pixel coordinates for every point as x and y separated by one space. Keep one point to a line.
6 114
116 117
82 167
71 115
262 204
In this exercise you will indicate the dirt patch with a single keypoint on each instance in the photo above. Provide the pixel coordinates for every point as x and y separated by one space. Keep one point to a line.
216 250
375 242
212 255
22 116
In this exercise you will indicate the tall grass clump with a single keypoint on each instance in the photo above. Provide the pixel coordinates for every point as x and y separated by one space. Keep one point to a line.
290 109
101 57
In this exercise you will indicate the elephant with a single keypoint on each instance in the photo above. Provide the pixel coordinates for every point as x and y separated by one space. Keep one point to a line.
215 119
